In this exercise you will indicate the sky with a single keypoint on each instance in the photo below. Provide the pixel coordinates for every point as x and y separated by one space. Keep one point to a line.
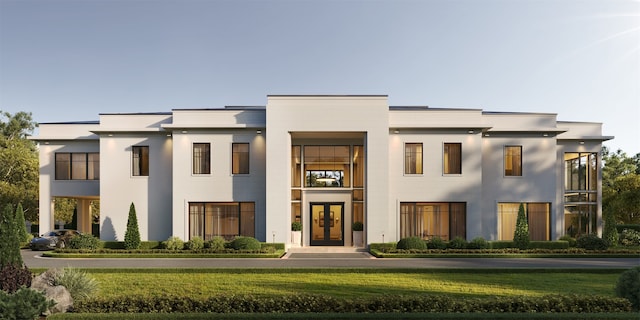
72 60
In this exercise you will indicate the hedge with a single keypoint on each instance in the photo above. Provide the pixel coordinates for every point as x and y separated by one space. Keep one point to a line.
324 304
621 227
560 244
146 245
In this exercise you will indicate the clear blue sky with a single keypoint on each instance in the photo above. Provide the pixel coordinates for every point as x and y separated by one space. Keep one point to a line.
71 60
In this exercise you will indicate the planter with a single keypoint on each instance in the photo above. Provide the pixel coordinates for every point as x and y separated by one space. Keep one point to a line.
296 238
358 239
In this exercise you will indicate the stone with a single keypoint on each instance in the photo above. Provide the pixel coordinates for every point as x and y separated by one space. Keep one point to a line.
59 294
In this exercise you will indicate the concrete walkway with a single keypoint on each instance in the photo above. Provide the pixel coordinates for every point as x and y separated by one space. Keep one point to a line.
33 259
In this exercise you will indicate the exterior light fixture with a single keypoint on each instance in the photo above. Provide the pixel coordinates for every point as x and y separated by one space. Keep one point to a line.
184 131
46 142
545 134
168 134
110 134
396 131
487 135
259 131
581 142
470 131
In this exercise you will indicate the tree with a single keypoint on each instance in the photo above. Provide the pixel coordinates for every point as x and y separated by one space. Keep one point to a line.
19 172
21 227
521 234
132 235
9 242
610 233
64 209
621 186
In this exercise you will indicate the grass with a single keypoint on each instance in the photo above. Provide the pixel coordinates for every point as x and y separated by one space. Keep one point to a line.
351 283
53 254
380 254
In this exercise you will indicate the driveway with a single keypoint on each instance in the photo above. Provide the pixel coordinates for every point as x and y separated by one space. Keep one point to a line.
34 259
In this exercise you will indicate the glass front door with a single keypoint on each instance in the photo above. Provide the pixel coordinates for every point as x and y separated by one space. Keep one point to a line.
327 224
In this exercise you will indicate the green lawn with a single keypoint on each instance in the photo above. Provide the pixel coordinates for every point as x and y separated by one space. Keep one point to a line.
354 282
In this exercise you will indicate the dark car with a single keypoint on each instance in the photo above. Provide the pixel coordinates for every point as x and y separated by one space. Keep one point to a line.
58 238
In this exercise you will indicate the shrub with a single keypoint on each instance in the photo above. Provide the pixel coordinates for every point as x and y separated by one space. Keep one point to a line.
357 226
410 243
548 245
521 234
174 243
9 242
436 243
591 242
501 244
196 243
478 243
79 284
383 247
628 286
25 304
21 227
132 235
610 234
296 226
84 241
630 237
12 277
215 244
245 243
572 241
621 227
457 243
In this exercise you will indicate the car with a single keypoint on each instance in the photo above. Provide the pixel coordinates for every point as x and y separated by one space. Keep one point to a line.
53 239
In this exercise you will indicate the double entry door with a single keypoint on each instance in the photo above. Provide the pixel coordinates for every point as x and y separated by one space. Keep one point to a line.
327 224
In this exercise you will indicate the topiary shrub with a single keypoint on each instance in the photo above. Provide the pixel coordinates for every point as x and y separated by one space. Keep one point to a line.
436 243
591 242
245 243
521 234
610 234
25 304
572 241
215 244
628 286
9 239
173 243
630 237
132 235
84 241
21 227
457 243
296 226
79 284
196 243
478 243
411 243
13 277
357 226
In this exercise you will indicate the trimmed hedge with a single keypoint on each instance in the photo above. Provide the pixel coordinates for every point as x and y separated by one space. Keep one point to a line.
120 245
325 304
411 243
621 227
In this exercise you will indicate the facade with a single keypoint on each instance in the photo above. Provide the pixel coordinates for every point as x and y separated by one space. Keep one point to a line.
327 162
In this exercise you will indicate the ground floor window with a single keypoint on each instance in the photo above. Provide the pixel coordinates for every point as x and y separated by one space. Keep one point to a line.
538 215
224 219
580 219
427 220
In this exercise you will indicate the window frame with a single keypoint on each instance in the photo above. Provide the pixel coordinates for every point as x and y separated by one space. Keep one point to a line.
69 166
141 161
206 161
242 214
504 160
234 154
452 220
408 157
446 162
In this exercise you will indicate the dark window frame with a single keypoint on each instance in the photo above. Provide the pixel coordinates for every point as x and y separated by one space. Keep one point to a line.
205 164
450 166
513 172
452 226
139 151
69 175
239 204
410 157
240 169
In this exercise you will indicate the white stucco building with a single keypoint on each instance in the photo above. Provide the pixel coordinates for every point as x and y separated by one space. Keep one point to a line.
326 161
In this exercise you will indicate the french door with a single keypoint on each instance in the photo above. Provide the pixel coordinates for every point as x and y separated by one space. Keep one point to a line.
327 224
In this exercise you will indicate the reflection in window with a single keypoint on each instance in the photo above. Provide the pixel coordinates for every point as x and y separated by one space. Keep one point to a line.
77 166
324 178
581 192
327 166
538 215
140 160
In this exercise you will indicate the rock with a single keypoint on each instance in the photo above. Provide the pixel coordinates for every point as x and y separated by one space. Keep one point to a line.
59 294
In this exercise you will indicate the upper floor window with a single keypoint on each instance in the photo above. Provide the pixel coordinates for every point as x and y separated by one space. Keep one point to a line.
140 161
452 158
513 161
240 158
581 171
327 166
201 158
413 158
77 166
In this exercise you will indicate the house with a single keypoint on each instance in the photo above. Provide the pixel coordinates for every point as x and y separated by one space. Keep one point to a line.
326 161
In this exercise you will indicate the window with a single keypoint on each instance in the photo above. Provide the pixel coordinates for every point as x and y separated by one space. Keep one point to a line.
427 220
513 161
327 166
413 158
77 166
240 158
201 158
221 219
581 193
538 215
452 158
140 161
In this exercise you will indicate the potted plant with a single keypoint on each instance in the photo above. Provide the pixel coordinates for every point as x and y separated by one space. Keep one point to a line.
296 233
357 228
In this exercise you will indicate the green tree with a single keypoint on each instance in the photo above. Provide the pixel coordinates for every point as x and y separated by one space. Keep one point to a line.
521 234
610 233
64 209
21 227
621 186
19 172
9 242
132 235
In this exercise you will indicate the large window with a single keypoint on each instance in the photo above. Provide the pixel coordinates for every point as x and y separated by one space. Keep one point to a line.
413 158
327 166
77 166
452 158
427 220
201 158
581 193
140 161
240 158
538 215
221 219
513 161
